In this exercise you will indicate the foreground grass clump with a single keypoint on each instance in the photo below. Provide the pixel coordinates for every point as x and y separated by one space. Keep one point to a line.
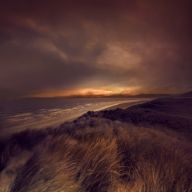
96 155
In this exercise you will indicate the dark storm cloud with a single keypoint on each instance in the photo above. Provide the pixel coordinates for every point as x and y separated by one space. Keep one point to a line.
62 44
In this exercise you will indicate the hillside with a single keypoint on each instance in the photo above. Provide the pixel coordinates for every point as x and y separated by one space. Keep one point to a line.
188 94
173 113
145 148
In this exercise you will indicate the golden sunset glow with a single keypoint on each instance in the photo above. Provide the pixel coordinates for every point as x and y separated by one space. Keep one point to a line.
94 48
95 95
89 92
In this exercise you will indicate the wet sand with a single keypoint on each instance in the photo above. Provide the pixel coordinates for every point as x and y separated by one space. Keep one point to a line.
57 116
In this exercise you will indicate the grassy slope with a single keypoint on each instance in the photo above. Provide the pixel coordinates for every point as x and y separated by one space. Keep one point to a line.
166 113
144 148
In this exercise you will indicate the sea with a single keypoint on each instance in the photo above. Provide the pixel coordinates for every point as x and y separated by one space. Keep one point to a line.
39 113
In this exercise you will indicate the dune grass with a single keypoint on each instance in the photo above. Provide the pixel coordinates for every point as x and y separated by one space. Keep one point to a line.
101 156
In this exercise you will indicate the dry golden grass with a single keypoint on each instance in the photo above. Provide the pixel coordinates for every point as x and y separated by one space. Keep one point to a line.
105 157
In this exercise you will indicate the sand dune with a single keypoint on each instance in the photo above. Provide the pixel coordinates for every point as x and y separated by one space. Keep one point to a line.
146 147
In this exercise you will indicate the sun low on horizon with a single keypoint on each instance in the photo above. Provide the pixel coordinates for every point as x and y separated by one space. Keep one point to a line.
86 92
99 47
96 95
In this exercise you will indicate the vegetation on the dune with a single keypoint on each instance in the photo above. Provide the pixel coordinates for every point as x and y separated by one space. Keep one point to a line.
108 151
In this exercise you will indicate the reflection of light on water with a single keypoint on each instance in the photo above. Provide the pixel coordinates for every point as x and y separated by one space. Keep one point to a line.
55 116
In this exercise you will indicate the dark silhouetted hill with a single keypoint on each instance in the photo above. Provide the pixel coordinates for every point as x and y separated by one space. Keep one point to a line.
173 113
188 94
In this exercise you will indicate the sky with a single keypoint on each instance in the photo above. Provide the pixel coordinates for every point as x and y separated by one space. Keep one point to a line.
95 47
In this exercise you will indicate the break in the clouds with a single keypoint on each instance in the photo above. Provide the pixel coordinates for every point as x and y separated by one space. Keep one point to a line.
112 45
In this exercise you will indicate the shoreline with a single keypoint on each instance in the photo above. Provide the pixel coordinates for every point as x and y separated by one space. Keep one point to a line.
126 105
53 122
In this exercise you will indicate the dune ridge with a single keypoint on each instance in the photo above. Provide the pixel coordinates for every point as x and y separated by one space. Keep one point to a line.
143 148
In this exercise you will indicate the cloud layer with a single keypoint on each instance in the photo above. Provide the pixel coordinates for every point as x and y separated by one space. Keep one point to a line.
60 45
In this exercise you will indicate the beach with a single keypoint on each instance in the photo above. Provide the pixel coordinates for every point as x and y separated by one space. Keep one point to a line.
115 140
52 116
